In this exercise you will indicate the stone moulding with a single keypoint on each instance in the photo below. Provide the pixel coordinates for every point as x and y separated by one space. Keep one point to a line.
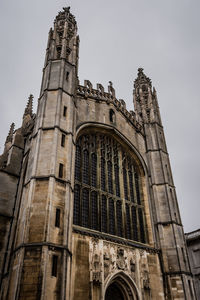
114 239
100 95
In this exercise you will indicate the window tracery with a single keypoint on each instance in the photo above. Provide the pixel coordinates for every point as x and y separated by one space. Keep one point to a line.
102 166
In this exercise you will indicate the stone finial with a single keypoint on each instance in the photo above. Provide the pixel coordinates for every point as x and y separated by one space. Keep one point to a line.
141 79
111 89
29 107
10 133
100 88
88 84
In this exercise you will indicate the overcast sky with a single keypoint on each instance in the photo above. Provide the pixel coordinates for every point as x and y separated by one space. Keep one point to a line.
116 37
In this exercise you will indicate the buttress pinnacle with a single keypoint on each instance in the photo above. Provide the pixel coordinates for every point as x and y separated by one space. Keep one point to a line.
10 133
29 107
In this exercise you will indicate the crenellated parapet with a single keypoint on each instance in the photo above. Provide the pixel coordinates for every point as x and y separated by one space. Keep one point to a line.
99 94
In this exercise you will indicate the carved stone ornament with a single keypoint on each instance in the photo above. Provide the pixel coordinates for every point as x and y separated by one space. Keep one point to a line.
121 259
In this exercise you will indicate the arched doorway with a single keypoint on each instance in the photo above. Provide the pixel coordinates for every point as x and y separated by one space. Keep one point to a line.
121 287
113 292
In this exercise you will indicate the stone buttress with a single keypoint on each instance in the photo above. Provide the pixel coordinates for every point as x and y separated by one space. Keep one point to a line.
165 211
41 249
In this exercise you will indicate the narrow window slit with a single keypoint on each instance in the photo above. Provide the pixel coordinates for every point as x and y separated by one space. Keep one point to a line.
57 220
63 140
54 265
61 167
64 111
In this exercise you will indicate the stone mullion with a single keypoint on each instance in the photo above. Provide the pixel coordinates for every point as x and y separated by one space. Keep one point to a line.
98 180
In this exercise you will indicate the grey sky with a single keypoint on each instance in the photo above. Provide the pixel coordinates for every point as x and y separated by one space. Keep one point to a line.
116 37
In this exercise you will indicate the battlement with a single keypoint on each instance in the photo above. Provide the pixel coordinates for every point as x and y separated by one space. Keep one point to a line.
99 94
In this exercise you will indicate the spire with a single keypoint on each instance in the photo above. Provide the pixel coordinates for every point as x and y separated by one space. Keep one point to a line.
61 37
141 79
10 133
29 107
145 99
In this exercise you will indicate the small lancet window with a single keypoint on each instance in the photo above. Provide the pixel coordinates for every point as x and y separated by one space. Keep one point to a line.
63 140
61 167
112 116
57 220
67 75
54 265
64 111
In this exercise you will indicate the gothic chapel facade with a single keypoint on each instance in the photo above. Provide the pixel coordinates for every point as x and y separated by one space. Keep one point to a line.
88 206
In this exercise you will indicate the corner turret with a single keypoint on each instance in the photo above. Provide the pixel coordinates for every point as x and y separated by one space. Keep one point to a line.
145 100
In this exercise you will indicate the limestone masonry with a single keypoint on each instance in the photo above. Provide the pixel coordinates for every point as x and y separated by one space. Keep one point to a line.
88 207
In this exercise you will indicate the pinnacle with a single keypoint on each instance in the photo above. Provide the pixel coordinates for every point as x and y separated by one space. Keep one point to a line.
29 107
10 133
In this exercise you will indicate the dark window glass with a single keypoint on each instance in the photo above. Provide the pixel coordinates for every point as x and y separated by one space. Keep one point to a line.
94 170
142 234
119 218
85 208
137 188
77 205
61 170
64 111
111 216
78 164
117 180
103 178
131 185
125 184
134 223
67 75
97 170
128 222
54 265
94 211
110 178
85 167
63 140
57 220
112 116
104 214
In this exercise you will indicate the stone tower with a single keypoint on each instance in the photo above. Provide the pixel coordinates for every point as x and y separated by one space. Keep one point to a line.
88 207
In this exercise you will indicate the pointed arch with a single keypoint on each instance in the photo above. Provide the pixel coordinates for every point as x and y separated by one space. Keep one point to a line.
122 284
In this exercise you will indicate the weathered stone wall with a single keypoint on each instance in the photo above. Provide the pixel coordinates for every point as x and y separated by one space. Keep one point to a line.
96 262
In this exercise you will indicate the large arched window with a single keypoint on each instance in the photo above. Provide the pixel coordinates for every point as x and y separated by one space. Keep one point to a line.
107 194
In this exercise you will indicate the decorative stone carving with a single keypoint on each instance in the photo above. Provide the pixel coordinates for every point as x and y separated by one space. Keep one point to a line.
121 259
95 262
100 88
111 89
88 84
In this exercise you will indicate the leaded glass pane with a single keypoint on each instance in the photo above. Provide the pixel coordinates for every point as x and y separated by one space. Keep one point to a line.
134 223
104 214
111 216
128 222
131 185
94 170
142 234
125 184
94 211
119 218
76 205
78 164
103 178
117 180
85 208
110 178
137 188
107 214
85 167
